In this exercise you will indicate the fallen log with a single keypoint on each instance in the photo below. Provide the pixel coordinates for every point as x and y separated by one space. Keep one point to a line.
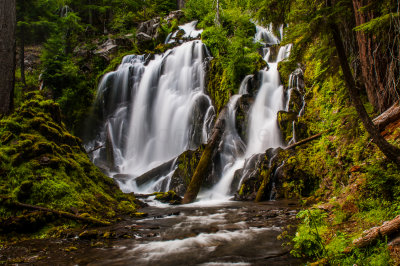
204 166
389 116
304 141
63 214
378 232
95 149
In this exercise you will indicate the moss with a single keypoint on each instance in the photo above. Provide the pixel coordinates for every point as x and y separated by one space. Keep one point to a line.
168 197
43 164
285 122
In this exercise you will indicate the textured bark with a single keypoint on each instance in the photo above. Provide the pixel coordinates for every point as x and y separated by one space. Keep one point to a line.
376 233
376 65
180 4
22 58
389 116
7 54
203 169
304 141
391 152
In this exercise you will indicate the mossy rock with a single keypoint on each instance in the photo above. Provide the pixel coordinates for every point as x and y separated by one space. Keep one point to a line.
295 101
186 165
168 197
285 122
242 115
42 164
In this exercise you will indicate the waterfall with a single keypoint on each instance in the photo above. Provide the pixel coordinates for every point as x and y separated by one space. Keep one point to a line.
154 110
263 130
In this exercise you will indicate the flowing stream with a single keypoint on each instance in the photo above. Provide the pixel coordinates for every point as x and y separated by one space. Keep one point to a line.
154 108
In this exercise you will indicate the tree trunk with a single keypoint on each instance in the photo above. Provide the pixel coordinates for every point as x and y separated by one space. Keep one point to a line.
203 169
22 58
180 4
217 19
391 152
376 64
7 54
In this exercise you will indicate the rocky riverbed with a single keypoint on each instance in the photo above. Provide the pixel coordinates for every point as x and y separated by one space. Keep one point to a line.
203 233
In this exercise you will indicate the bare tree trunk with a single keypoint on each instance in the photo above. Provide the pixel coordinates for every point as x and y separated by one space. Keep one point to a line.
22 58
217 19
391 152
7 54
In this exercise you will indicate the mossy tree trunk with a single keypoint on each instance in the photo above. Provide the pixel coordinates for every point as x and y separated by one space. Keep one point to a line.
390 151
204 167
7 54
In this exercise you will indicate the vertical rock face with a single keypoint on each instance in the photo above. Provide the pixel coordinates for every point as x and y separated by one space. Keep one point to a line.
7 54
378 69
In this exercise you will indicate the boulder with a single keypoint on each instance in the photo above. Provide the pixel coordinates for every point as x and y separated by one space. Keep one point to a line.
149 27
176 14
143 39
107 48
242 115
186 165
295 101
285 122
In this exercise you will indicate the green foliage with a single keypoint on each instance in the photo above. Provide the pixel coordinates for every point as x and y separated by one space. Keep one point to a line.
42 164
231 43
308 239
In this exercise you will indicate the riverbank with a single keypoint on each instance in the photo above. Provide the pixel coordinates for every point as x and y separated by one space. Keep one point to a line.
226 232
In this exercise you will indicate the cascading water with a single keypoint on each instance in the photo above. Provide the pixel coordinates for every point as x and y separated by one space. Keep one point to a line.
154 111
263 130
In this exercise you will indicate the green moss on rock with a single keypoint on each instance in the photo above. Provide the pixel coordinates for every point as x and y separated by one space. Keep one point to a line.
42 164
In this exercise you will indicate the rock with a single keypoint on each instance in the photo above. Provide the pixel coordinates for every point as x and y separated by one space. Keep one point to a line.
285 122
186 165
149 27
88 234
274 51
143 39
169 197
176 14
295 101
125 42
250 177
155 173
242 115
107 48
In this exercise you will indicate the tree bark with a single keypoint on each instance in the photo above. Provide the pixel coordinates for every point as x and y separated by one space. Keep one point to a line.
304 141
7 54
389 116
217 19
376 65
376 233
204 167
22 58
391 152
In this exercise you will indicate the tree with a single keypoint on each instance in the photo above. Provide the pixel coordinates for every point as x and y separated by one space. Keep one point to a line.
390 151
319 20
34 24
7 54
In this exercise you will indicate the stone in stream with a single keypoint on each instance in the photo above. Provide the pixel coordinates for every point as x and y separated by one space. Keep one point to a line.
242 115
185 166
155 173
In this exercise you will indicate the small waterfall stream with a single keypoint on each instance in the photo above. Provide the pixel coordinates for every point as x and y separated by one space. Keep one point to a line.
263 130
